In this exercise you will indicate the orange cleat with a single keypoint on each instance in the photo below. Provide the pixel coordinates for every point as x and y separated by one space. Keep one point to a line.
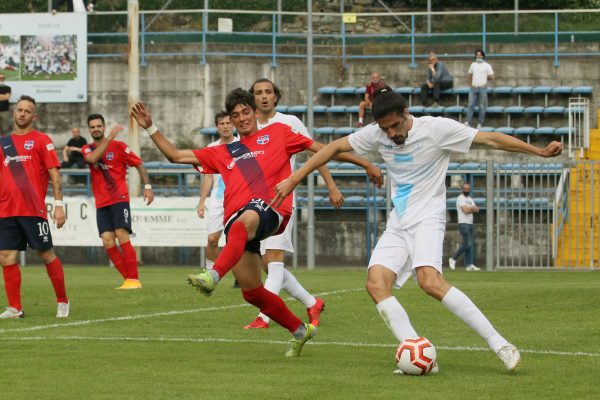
258 323
314 312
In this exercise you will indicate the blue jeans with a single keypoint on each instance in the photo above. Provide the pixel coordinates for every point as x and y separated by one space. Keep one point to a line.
468 244
477 96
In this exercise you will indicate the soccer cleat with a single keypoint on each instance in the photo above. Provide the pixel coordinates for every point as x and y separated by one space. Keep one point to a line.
434 370
314 312
472 268
203 282
452 263
258 323
62 310
12 312
510 356
236 285
130 284
295 345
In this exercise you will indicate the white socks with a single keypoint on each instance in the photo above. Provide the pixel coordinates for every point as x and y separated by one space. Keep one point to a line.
396 319
209 264
274 277
460 305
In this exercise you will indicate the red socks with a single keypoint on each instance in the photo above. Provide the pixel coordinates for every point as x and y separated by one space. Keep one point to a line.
12 285
57 277
272 306
233 250
130 258
118 260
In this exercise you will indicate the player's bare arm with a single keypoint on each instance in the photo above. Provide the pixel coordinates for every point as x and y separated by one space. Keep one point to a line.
98 153
59 212
204 192
143 117
148 193
500 141
336 198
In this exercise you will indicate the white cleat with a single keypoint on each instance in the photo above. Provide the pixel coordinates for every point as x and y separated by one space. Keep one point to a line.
452 263
472 268
12 312
62 310
510 356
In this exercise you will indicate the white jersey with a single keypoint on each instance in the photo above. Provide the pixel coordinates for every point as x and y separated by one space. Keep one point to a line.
480 73
218 189
417 168
463 217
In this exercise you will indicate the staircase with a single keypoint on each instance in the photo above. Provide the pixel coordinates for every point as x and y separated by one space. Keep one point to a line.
578 242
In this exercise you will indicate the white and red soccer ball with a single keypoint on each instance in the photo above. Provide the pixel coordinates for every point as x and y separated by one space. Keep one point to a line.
416 356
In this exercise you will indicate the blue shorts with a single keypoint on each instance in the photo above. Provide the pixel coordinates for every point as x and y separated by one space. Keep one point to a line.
16 233
113 217
269 222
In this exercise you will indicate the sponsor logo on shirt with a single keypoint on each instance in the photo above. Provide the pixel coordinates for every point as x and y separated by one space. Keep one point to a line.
251 154
110 156
264 139
8 159
127 150
50 146
29 144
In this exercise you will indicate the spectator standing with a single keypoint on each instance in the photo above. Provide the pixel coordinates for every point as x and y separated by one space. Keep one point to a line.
438 78
466 207
372 86
479 74
5 118
72 156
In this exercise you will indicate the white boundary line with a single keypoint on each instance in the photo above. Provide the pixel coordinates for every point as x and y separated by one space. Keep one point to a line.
153 315
252 341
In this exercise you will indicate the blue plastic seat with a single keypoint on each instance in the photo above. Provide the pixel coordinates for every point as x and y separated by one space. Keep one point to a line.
434 110
336 109
317 109
360 90
404 90
564 130
583 90
524 130
301 109
327 90
542 90
562 89
470 166
281 109
345 90
487 129
461 90
416 109
506 130
354 199
555 110
544 130
493 110
344 130
325 130
501 90
534 110
352 109
522 89
208 131
152 164
514 110
453 166
454 110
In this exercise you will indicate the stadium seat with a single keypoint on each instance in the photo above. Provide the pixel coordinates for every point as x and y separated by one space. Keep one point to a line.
544 130
416 109
345 90
505 129
492 110
514 110
298 109
454 110
562 90
522 89
404 90
583 90
336 109
208 131
281 109
470 166
500 90
327 90
542 90
324 130
352 109
534 110
317 109
354 199
524 130
360 90
555 110
487 129
453 166
461 90
434 110
562 130
346 130
152 164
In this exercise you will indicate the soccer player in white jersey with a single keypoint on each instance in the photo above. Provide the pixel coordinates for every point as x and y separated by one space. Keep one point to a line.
214 185
267 95
416 152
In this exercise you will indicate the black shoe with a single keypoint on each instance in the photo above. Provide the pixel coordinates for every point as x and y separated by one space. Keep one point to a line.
236 285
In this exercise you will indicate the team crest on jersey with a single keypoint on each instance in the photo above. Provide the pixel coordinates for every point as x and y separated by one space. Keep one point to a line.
50 147
110 156
29 144
264 139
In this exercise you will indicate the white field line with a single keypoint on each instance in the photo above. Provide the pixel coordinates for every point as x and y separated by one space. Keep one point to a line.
153 315
249 341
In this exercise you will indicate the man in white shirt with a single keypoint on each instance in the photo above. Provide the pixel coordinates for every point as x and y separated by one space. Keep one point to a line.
465 208
479 74
416 152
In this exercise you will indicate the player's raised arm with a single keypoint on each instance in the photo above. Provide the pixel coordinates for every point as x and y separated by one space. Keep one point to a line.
59 212
500 141
97 154
142 116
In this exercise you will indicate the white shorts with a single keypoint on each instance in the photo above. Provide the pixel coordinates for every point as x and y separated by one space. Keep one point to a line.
283 241
214 219
402 251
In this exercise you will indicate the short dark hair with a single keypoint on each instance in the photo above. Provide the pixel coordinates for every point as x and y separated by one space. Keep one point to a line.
480 51
95 116
239 96
220 115
385 102
276 89
27 98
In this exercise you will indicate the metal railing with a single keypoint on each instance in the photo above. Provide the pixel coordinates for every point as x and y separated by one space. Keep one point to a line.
579 126
480 29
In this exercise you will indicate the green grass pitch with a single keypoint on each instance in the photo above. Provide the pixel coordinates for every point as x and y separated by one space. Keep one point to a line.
166 341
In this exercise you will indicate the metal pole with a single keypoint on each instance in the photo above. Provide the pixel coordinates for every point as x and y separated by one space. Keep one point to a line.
413 65
489 215
279 9
133 16
204 29
484 34
429 16
49 5
556 62
310 230
516 16
343 34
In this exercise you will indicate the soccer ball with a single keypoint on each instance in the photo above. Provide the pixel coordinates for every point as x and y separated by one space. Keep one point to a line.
416 356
